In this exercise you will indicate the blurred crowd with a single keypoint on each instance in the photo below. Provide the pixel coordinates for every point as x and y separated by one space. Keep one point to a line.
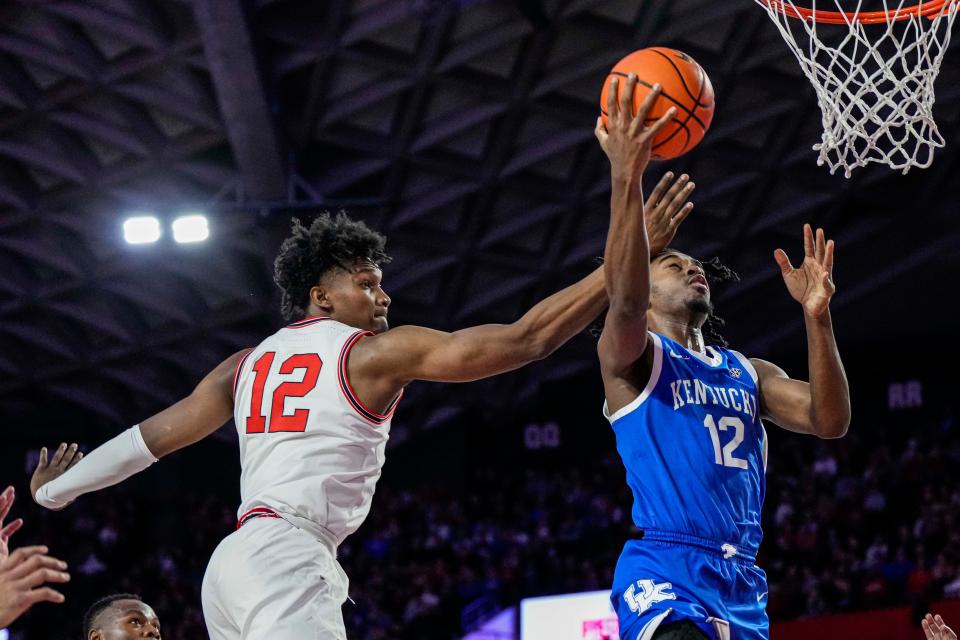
864 522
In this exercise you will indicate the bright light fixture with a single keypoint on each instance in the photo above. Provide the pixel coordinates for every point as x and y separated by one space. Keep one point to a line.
191 228
141 229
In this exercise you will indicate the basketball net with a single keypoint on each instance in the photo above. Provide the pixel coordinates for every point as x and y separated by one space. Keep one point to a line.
873 73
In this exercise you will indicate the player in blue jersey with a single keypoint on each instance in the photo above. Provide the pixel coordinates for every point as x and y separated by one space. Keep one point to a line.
687 415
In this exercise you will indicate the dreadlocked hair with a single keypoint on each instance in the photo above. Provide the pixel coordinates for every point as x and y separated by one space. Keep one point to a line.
716 273
311 251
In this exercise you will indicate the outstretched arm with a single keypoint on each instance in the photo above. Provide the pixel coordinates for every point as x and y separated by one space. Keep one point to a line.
63 478
822 406
628 144
379 366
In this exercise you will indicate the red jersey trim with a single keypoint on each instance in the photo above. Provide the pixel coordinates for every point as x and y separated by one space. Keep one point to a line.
307 322
256 512
350 394
236 374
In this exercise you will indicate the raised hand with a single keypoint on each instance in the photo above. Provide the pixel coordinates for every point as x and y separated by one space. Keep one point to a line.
63 458
934 628
6 501
22 575
810 284
665 209
627 140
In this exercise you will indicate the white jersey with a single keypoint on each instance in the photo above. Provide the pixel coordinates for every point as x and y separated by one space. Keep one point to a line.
309 450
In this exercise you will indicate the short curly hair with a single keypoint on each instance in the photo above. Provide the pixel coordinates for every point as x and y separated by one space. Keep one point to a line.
90 617
310 252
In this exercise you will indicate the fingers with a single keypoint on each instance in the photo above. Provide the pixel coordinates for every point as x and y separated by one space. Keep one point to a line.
819 246
946 633
38 563
42 462
58 454
783 261
77 458
44 595
807 241
648 102
657 194
682 214
612 110
6 501
681 195
934 628
64 455
42 576
600 132
10 529
828 258
626 97
657 126
19 556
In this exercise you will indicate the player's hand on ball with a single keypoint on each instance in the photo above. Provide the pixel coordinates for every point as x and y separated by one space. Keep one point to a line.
63 458
934 628
810 284
666 208
627 139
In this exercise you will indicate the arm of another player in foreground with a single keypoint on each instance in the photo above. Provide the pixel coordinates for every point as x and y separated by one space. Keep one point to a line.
408 353
63 479
822 406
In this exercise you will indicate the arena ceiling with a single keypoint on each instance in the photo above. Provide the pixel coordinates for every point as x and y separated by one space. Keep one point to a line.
461 129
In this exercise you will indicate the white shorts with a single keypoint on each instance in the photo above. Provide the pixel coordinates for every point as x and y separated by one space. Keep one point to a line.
270 579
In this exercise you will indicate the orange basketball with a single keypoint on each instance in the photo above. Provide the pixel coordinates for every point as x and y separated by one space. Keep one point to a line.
685 86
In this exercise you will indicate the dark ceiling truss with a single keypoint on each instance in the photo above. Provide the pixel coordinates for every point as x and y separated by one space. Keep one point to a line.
461 128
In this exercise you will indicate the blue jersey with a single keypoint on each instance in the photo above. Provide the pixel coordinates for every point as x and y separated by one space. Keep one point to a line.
694 447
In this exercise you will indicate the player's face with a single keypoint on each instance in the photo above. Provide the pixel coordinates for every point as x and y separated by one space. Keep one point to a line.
677 279
127 620
359 299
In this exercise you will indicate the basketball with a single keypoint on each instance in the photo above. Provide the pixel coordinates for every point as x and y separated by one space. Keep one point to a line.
685 86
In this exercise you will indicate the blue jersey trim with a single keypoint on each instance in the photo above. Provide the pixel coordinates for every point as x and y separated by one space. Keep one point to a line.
657 347
747 365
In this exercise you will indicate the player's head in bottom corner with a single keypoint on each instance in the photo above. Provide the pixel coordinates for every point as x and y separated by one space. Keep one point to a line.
332 267
121 616
680 292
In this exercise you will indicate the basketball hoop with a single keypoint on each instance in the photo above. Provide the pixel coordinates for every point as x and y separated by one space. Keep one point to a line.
873 72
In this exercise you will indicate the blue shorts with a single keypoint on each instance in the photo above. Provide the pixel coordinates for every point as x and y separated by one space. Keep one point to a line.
668 577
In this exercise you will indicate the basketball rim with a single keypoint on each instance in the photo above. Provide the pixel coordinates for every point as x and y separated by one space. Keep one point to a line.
930 10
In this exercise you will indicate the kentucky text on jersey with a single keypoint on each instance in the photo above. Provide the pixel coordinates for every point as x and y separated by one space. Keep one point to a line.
694 448
697 392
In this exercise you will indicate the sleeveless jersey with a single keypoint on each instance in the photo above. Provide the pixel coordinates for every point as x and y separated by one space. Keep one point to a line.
309 450
694 447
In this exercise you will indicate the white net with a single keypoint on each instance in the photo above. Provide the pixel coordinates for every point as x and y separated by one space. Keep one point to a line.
874 82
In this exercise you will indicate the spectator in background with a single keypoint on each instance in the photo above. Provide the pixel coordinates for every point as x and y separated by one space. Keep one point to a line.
122 616
24 571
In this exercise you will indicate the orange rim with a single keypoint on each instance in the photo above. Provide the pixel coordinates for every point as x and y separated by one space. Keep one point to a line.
929 10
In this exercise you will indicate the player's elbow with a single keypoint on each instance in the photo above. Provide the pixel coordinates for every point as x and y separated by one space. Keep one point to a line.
833 429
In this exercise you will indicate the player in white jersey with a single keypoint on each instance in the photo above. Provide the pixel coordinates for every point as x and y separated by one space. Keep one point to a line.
312 406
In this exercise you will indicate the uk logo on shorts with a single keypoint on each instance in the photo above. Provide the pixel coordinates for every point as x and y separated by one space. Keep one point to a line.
650 594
